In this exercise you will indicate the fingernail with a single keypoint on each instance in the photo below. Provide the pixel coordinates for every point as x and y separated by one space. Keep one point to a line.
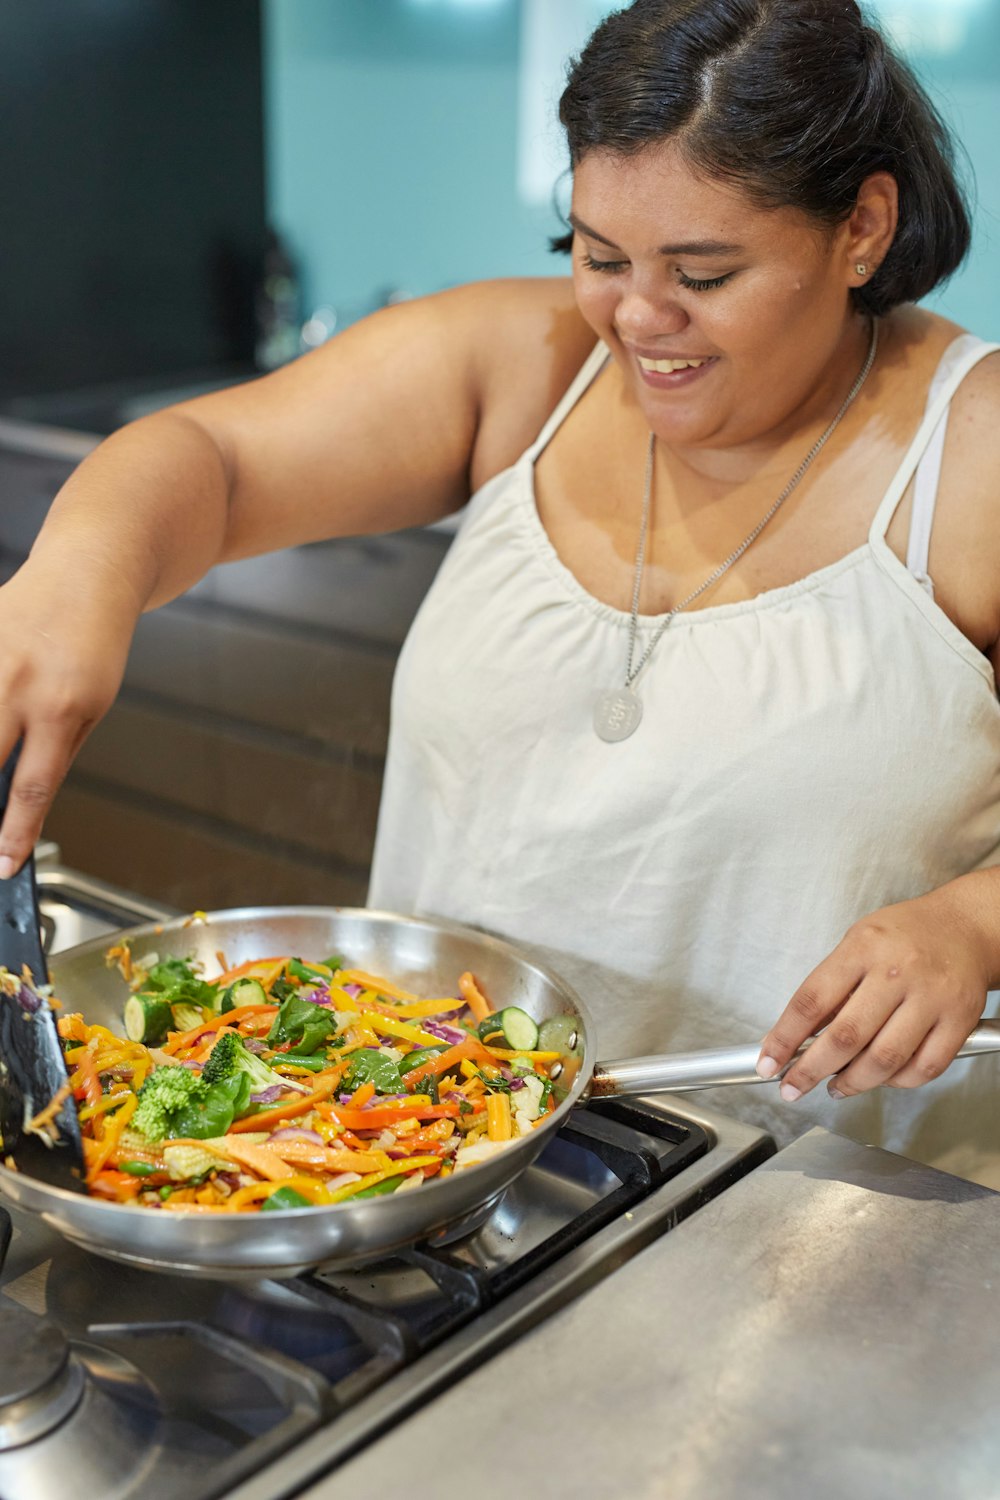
790 1093
836 1094
767 1067
7 867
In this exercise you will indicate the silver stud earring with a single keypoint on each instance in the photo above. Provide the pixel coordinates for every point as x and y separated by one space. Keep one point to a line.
861 268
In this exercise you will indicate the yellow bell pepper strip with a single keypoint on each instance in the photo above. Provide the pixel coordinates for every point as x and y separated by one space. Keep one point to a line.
389 1026
112 1135
507 1054
413 1011
410 1164
255 1192
107 1101
498 1125
474 997
380 986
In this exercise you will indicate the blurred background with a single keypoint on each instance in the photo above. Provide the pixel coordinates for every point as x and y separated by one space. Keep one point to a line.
194 193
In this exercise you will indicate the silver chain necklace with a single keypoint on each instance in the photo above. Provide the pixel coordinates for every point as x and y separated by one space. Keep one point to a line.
618 711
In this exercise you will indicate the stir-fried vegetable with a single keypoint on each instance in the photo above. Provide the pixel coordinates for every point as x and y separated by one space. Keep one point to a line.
287 1084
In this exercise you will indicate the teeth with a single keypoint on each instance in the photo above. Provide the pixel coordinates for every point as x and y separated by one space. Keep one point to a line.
668 366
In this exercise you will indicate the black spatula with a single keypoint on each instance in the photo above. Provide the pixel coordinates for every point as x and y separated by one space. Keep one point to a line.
32 1068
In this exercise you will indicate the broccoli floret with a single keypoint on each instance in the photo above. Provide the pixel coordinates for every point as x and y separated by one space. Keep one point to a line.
230 1057
166 1091
176 1101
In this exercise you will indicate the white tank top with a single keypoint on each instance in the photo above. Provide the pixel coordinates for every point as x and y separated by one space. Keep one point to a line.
804 758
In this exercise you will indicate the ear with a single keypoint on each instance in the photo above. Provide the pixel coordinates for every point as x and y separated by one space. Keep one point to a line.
871 228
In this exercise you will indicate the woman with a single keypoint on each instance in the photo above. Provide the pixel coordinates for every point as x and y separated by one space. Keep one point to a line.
683 710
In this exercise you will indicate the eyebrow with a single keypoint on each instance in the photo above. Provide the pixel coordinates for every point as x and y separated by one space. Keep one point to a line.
689 247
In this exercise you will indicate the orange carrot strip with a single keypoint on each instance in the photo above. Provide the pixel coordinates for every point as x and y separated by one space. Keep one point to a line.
384 1119
55 1104
260 1159
362 1094
179 1039
239 970
325 1159
444 1060
474 997
294 1107
118 1185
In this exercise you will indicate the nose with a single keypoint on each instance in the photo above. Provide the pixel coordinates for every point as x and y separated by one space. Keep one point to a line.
644 315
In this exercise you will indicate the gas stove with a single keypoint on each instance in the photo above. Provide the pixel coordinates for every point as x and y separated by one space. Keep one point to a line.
138 1384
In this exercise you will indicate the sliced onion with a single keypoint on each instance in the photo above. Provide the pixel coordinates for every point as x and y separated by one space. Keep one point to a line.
384 1140
354 990
298 1133
343 1179
253 1045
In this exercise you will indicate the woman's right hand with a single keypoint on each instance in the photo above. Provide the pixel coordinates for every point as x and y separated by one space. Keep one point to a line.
64 639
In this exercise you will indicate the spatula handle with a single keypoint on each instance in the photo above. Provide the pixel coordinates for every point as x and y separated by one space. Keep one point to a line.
20 926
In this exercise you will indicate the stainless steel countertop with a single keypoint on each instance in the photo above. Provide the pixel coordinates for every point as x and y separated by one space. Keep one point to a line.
829 1326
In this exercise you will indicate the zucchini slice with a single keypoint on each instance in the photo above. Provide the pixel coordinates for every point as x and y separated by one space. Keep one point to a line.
561 1034
147 1018
245 991
520 1033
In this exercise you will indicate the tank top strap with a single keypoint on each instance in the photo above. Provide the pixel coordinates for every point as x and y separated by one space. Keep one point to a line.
923 458
584 377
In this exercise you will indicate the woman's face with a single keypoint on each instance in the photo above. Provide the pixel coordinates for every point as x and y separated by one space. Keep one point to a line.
669 267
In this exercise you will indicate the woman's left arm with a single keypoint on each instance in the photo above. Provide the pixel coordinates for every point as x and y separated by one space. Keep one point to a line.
897 997
902 991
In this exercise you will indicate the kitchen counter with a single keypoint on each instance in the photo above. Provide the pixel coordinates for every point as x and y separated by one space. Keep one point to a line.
827 1327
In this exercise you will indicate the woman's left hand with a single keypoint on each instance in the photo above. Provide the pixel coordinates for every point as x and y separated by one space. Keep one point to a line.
898 997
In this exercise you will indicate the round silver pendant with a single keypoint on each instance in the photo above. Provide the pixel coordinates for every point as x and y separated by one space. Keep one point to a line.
617 714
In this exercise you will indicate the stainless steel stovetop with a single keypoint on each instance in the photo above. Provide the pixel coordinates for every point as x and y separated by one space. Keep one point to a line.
141 1384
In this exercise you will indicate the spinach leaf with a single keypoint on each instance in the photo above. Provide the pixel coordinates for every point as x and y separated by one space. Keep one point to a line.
212 1112
368 1065
305 1025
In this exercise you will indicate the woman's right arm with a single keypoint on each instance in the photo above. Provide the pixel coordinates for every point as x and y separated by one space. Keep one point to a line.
374 432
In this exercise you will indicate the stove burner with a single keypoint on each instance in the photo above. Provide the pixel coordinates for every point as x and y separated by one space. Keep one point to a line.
39 1384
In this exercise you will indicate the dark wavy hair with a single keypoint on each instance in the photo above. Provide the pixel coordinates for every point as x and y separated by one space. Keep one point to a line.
794 101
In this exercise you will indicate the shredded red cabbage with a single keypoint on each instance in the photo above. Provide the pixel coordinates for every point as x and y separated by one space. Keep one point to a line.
268 1095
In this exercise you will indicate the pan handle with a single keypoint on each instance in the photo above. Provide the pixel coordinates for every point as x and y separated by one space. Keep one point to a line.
717 1066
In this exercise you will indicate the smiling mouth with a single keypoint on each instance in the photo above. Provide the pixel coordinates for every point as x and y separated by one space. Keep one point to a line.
669 366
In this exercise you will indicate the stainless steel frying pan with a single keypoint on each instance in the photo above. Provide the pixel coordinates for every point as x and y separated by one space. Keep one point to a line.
427 956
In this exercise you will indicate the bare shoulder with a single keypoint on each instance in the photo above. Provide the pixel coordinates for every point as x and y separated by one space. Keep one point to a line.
528 342
966 536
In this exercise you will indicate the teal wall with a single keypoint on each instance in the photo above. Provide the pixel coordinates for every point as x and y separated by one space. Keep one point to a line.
393 141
